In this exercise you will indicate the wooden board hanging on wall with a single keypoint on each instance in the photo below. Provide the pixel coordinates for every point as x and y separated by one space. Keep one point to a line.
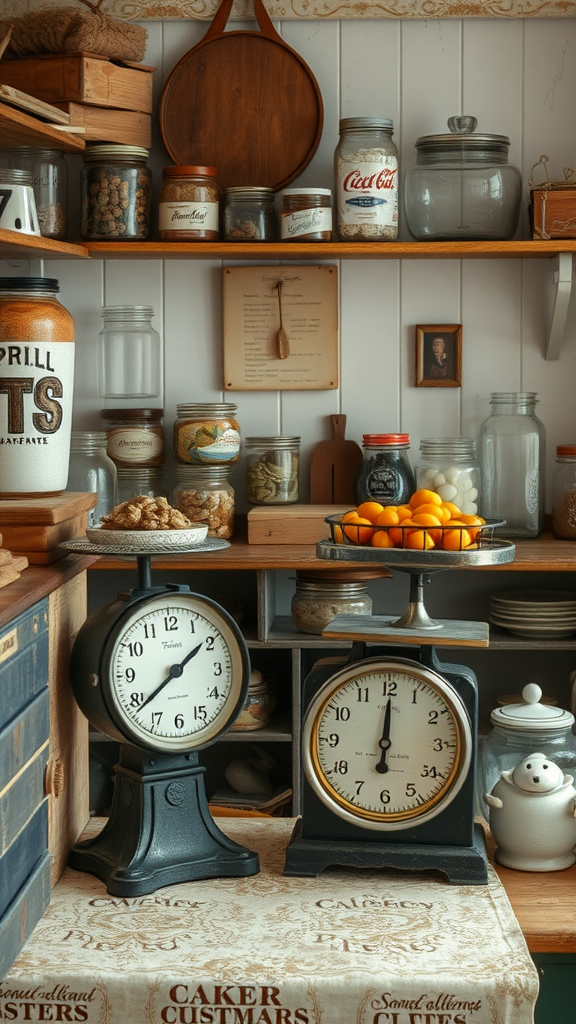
280 328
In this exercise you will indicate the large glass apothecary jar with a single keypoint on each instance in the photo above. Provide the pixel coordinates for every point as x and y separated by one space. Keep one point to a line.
49 172
116 188
366 180
511 451
91 469
206 433
462 186
205 495
449 466
130 363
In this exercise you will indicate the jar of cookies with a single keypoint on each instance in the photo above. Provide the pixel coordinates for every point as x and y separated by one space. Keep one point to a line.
116 193
205 495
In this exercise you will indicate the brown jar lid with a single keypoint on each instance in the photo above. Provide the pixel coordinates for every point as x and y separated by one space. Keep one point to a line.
343 575
132 414
189 170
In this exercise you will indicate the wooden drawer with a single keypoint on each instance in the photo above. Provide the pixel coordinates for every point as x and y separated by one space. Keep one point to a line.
23 660
23 914
23 855
23 737
79 77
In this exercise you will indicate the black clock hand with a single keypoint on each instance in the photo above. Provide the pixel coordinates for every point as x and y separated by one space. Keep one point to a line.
385 743
175 671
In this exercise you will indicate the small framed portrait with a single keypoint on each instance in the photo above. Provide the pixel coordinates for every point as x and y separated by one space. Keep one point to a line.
438 355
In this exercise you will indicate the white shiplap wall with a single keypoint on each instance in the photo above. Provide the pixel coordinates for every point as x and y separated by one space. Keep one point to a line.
518 77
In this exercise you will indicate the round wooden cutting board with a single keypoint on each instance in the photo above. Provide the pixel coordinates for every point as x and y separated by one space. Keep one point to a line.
243 102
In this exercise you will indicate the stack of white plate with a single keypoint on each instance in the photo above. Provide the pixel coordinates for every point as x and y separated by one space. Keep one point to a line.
535 613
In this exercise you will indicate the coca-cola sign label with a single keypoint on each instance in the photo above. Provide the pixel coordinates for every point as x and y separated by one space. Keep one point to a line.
369 192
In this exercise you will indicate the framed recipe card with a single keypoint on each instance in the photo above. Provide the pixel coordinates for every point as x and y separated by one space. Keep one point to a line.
280 328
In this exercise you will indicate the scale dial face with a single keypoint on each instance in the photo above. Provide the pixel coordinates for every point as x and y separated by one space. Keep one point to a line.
174 672
387 743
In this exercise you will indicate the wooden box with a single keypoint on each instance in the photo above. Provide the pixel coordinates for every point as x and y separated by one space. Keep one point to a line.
291 524
81 78
553 213
103 124
35 527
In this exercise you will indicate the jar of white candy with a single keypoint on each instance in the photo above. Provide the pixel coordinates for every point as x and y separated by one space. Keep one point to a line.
448 465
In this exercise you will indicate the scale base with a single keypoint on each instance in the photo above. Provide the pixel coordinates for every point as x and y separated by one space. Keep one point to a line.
160 831
462 865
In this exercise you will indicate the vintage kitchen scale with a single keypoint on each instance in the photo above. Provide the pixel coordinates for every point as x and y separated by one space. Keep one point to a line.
164 671
389 742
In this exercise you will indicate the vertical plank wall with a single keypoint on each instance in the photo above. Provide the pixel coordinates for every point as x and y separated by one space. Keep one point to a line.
518 77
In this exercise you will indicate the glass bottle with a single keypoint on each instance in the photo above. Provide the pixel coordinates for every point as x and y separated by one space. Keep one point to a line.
519 730
366 180
272 470
49 172
448 466
92 470
205 495
250 215
116 188
511 452
385 474
130 353
564 493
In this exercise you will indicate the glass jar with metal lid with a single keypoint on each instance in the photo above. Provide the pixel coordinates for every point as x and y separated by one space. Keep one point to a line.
449 466
519 730
564 493
366 180
92 470
135 436
319 597
49 172
385 474
462 186
206 433
116 193
306 215
189 204
272 470
135 480
205 495
250 215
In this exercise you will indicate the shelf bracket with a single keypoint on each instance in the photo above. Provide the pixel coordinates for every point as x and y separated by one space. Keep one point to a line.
563 282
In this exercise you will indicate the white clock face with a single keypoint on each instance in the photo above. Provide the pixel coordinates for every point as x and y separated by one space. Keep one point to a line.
175 673
387 744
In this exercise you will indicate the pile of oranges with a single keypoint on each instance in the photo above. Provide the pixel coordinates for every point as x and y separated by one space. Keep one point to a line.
424 523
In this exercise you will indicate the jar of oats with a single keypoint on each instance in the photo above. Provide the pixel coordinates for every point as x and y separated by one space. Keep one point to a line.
116 193
189 204
205 495
366 180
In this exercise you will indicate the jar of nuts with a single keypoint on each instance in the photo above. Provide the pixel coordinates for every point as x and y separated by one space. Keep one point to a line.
272 470
204 494
116 193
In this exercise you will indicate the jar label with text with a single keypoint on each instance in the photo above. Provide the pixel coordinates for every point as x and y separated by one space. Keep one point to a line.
135 445
188 216
36 391
306 222
369 192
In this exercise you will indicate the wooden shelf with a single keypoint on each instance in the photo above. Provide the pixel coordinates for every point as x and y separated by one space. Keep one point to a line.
20 129
14 245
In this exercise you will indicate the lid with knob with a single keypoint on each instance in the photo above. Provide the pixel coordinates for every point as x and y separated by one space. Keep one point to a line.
532 715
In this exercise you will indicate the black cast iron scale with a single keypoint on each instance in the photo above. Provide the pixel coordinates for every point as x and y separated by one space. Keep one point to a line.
165 672
389 741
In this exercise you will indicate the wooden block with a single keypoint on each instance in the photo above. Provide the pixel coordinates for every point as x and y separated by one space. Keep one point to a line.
20 511
291 524
553 213
101 124
23 101
38 537
82 78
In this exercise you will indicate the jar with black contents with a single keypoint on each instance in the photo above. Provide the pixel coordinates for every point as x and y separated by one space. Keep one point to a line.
249 215
306 215
385 474
189 204
116 192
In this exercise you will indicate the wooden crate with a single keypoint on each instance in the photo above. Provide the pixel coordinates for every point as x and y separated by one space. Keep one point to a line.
35 527
102 124
291 524
553 213
81 78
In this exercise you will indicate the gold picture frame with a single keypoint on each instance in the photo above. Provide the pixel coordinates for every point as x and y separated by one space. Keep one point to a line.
438 355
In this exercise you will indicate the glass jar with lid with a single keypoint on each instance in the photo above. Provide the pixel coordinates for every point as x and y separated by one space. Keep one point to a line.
306 215
116 193
319 596
49 172
92 470
366 180
130 353
272 469
250 215
135 480
462 186
189 204
18 208
205 495
135 436
449 466
564 493
519 730
385 474
206 433
511 453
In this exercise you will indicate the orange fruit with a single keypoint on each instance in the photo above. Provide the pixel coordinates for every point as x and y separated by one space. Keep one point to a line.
399 533
404 512
455 540
424 497
426 519
431 510
419 540
388 516
381 539
338 534
355 533
370 510
472 521
455 512
351 515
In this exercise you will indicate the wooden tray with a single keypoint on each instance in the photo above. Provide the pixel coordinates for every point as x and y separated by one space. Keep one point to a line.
243 102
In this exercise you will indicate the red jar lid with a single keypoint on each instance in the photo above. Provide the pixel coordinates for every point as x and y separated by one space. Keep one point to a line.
380 439
566 451
189 171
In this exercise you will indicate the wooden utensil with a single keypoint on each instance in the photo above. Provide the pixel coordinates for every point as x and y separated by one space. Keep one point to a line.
282 343
334 466
244 102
